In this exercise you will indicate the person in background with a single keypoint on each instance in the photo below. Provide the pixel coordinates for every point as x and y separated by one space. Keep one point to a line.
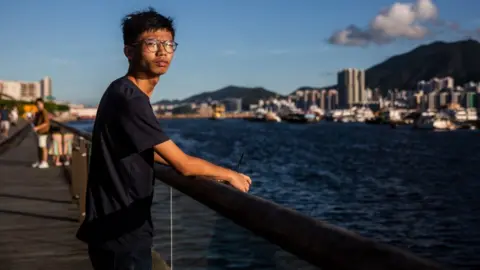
61 151
56 147
14 116
4 121
41 125
67 148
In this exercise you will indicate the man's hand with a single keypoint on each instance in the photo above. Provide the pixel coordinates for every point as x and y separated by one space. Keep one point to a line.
187 165
240 181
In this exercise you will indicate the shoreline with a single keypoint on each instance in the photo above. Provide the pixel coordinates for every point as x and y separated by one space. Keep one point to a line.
70 118
203 116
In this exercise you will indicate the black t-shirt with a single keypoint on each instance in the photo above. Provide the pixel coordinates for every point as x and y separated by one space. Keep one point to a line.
121 177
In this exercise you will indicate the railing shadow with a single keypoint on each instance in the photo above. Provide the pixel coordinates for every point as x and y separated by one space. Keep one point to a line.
4 211
16 196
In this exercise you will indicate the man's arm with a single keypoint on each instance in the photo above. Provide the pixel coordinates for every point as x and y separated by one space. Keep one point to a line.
43 125
193 166
159 159
188 165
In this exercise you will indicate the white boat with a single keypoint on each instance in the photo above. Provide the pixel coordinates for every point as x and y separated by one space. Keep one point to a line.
443 124
424 122
262 115
444 121
272 117
363 114
439 121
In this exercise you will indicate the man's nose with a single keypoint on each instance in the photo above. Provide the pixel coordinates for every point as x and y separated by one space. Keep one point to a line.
161 50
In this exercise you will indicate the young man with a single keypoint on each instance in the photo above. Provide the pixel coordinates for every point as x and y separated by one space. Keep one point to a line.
41 125
4 122
127 139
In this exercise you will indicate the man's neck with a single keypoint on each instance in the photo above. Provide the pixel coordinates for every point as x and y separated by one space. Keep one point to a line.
144 83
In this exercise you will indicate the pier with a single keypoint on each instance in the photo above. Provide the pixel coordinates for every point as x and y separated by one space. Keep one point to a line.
41 210
38 219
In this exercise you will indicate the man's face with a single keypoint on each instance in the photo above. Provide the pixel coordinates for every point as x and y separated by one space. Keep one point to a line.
39 105
153 52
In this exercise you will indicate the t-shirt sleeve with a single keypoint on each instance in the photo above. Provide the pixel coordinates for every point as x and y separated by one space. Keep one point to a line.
141 125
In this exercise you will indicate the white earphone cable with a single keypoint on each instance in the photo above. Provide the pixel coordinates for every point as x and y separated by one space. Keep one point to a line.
171 228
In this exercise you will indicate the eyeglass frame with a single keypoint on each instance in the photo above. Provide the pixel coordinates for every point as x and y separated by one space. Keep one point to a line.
157 41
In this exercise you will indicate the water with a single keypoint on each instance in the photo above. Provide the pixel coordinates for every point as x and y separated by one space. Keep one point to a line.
417 190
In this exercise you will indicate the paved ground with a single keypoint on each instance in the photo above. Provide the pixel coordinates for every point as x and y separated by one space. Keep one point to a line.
37 219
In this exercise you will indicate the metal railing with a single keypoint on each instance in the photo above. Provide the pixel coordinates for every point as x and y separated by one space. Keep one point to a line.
237 223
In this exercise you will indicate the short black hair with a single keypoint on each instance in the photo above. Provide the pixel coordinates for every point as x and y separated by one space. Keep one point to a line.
39 100
136 23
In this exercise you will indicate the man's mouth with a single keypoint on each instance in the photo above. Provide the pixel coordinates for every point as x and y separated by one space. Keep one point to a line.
160 63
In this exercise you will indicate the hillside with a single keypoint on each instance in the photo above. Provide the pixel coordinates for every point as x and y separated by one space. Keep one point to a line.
249 95
459 60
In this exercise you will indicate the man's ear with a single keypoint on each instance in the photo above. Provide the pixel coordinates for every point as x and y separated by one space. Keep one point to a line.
128 51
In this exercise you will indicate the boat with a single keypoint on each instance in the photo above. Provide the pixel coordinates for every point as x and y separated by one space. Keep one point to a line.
300 118
263 116
363 114
218 112
424 122
443 121
272 117
439 121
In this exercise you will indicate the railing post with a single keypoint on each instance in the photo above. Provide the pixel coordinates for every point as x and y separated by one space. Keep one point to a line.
75 189
82 177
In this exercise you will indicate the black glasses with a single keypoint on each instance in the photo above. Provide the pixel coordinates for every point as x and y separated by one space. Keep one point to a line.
153 45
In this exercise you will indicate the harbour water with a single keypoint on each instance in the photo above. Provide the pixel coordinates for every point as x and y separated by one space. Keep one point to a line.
417 190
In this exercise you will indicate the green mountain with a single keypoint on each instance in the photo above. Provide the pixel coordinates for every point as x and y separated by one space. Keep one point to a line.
459 60
249 95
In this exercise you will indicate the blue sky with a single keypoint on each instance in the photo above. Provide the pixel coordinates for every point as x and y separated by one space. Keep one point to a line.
277 44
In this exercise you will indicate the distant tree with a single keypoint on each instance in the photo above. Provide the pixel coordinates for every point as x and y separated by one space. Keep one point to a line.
50 98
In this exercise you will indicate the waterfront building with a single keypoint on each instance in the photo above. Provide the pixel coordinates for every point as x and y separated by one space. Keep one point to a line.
26 91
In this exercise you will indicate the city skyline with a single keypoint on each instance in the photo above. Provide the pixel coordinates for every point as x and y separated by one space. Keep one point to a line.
218 47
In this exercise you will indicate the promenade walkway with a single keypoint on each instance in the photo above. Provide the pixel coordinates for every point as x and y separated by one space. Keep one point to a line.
38 221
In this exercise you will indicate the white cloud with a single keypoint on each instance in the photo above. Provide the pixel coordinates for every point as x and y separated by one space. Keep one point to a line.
400 20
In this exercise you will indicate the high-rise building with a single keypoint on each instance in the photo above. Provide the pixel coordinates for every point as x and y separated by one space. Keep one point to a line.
351 87
46 87
432 100
444 98
435 84
26 91
469 101
232 104
447 83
